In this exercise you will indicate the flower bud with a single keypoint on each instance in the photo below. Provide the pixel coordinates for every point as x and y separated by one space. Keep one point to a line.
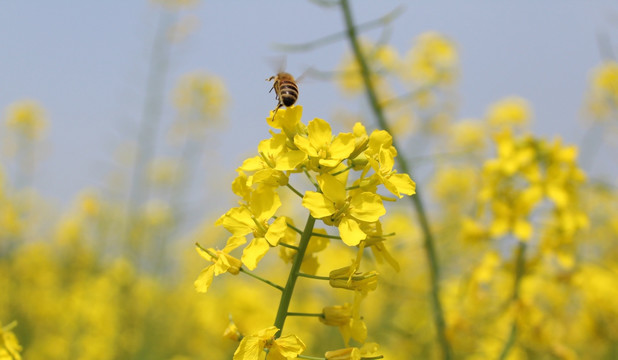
343 279
336 315
343 354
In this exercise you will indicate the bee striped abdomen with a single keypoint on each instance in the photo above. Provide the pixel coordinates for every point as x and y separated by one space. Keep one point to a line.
288 92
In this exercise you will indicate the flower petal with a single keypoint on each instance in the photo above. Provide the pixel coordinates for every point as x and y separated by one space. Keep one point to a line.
332 188
319 133
276 231
367 207
204 279
254 252
318 204
342 146
264 203
350 232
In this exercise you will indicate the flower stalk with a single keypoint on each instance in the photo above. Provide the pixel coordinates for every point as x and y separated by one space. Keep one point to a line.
520 262
429 243
286 296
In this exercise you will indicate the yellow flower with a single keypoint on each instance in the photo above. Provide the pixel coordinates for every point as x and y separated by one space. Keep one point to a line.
288 120
346 213
27 118
223 262
322 149
253 218
9 347
432 60
602 98
231 331
200 98
275 158
509 112
252 347
468 135
397 184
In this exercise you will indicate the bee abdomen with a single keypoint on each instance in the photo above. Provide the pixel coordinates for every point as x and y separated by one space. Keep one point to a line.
289 92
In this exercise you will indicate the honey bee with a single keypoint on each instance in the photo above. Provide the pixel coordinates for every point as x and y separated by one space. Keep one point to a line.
286 90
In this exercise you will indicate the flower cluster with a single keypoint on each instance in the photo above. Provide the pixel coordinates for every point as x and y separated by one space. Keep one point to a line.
346 170
526 172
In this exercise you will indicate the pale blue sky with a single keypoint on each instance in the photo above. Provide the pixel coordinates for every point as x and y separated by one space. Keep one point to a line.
86 61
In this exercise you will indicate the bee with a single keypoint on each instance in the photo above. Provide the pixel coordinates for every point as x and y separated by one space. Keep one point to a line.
286 90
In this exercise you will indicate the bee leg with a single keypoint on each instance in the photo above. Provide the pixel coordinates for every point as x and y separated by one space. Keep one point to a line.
276 109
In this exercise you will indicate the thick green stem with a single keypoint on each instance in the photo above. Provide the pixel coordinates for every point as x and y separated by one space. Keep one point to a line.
520 262
286 296
430 251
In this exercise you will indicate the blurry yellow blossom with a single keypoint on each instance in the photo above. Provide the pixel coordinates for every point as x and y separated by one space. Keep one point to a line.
70 231
89 203
157 213
9 347
468 135
200 99
164 172
381 59
252 347
27 118
511 112
602 97
432 60
231 332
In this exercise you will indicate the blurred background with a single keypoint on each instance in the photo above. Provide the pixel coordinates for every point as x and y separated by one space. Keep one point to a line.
123 124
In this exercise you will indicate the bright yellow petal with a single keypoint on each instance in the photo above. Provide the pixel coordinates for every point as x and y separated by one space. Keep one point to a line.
329 163
249 348
233 242
204 279
237 221
367 207
276 231
332 188
304 144
342 146
319 134
254 252
350 232
402 184
289 346
252 164
318 204
264 203
290 160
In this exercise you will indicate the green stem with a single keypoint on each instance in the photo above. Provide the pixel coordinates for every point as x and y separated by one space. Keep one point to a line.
294 190
288 246
430 251
316 277
314 234
305 314
242 270
520 262
286 296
